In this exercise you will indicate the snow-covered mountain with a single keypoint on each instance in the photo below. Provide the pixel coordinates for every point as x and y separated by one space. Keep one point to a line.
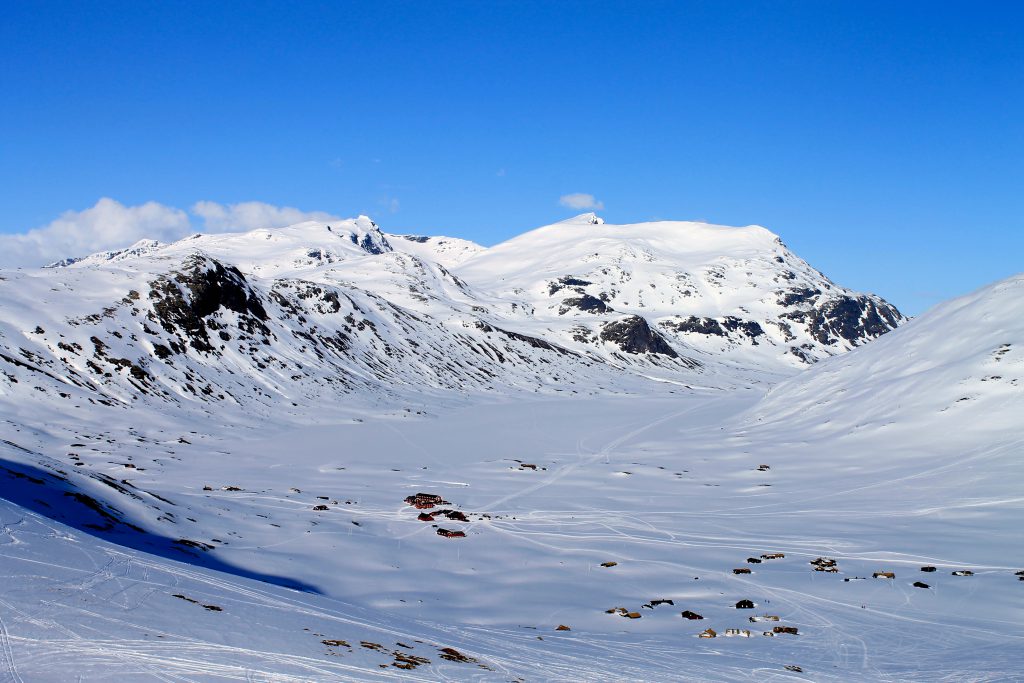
627 441
275 319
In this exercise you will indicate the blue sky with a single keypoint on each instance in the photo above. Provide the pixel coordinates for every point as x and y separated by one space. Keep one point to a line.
883 141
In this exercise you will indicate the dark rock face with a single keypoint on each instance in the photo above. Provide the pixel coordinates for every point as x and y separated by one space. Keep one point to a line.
718 328
855 319
210 286
372 243
532 341
634 335
795 297
586 303
568 281
370 246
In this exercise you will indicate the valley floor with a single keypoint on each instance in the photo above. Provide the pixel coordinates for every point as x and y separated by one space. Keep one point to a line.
671 492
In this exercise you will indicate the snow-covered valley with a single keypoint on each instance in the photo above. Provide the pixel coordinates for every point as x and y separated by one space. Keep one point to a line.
208 447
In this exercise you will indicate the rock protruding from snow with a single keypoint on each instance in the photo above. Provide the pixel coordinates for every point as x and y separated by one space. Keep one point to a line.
589 218
634 335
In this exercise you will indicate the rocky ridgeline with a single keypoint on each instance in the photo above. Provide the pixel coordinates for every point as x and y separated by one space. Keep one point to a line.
277 319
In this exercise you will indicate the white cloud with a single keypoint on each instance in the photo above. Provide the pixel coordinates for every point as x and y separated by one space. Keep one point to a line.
112 225
107 225
579 200
252 216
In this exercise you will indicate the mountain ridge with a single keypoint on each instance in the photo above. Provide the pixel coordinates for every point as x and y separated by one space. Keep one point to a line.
318 307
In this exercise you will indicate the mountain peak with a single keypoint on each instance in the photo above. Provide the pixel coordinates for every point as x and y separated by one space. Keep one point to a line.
589 218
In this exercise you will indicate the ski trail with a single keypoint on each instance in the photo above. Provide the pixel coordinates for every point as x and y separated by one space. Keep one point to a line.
585 460
7 656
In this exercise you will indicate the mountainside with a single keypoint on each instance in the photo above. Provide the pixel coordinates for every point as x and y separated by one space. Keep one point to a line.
278 319
707 289
962 365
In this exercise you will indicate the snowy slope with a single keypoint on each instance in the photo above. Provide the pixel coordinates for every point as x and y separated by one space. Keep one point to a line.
448 251
959 368
348 383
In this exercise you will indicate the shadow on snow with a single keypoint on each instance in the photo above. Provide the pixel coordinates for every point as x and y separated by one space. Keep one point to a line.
57 496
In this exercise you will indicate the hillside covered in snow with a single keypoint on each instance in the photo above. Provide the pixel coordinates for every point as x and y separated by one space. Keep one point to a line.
263 320
648 451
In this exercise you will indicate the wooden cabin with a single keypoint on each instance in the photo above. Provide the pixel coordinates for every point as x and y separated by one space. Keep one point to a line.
448 533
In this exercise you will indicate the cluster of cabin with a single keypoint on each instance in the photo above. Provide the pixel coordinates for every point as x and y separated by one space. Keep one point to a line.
746 633
424 501
428 501
825 564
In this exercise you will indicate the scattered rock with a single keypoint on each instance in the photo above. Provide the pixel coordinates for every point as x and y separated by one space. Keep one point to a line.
453 655
199 545
335 643
407 662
